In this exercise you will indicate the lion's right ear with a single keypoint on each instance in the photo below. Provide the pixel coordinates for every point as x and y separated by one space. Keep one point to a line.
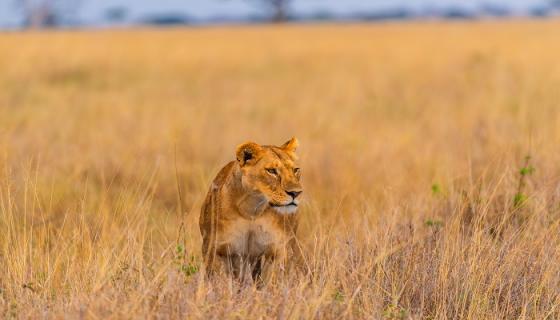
248 153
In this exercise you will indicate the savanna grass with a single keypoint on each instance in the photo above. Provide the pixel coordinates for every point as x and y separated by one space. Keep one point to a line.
420 201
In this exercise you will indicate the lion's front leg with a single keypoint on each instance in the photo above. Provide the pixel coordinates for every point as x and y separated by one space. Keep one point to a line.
236 265
263 270
270 265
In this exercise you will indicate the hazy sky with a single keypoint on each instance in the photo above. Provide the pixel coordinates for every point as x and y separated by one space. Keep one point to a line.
93 10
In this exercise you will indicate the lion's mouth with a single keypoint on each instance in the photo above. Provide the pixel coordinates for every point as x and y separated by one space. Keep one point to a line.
283 205
289 208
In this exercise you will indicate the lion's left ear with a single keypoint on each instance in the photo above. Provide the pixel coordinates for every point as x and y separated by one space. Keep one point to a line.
248 153
291 145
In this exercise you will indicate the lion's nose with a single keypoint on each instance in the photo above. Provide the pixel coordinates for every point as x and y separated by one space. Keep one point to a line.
293 194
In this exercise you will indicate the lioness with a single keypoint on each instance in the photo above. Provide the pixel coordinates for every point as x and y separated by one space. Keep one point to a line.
249 218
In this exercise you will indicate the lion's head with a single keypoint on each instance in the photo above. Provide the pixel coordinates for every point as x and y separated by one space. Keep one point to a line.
272 172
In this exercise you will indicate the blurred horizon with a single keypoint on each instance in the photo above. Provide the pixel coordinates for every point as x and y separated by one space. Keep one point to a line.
106 13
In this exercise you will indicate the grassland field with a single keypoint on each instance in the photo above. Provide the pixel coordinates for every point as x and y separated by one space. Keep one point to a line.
429 152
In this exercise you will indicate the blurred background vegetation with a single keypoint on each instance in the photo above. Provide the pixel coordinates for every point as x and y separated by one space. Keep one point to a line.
83 13
429 155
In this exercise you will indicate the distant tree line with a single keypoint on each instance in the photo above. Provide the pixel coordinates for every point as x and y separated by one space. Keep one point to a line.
54 13
279 10
47 13
276 9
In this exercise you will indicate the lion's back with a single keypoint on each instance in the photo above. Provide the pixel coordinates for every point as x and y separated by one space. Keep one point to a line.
211 202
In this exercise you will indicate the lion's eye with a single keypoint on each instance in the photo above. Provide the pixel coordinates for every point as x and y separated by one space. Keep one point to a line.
272 171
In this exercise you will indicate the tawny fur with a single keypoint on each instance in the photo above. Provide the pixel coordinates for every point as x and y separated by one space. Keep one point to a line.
249 218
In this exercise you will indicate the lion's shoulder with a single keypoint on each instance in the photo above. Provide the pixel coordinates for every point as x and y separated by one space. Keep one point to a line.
223 174
219 181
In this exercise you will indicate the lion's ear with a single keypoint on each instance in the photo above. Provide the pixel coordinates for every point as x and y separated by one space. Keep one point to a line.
291 145
248 153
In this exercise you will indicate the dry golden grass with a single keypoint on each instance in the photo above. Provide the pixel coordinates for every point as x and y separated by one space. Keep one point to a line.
412 141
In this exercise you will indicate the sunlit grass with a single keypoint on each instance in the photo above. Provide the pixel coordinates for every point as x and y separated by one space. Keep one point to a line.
420 201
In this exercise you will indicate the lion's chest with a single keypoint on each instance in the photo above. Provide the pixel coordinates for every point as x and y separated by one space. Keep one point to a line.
254 238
